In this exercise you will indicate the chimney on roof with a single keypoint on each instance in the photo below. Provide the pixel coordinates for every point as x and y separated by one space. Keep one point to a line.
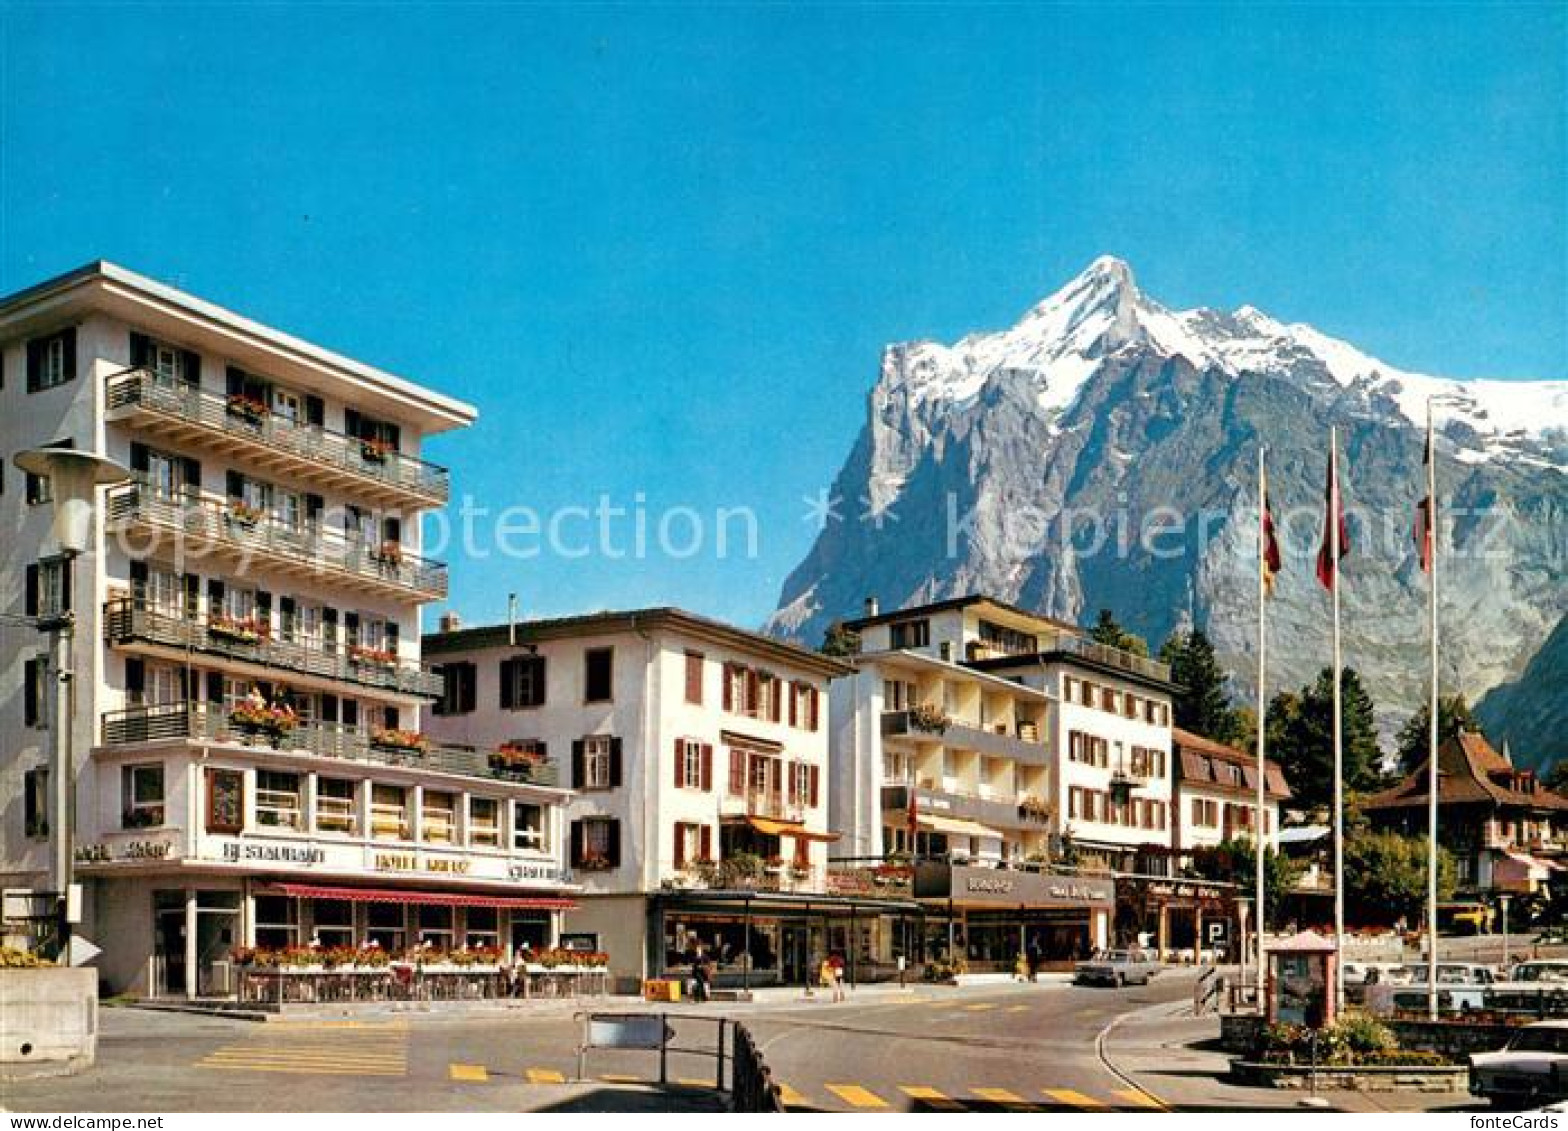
871 606
450 621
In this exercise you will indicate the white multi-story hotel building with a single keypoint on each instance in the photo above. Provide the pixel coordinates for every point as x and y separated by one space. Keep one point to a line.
1019 740
698 758
248 685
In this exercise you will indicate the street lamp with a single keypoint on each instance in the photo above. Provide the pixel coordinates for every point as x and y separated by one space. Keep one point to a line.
74 478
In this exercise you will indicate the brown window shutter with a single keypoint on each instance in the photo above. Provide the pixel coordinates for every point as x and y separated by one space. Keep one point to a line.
680 845
737 772
577 764
751 691
705 842
615 763
776 689
816 709
793 688
729 690
578 838
614 838
802 852
680 763
707 767
790 785
814 782
31 600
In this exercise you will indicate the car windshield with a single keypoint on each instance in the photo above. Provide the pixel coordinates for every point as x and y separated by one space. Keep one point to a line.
1541 972
1548 1038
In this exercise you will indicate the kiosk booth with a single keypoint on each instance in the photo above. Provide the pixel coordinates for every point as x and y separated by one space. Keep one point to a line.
1301 980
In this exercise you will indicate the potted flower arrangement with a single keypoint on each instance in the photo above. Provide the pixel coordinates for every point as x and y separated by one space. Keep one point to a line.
243 514
929 718
365 654
594 862
1034 808
374 450
247 408
241 630
516 758
409 741
390 553
143 818
252 718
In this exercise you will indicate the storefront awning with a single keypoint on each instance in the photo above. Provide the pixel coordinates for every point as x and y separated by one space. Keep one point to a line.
770 826
441 898
952 826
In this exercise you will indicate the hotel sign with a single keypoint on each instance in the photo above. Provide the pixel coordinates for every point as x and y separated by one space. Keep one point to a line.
1001 886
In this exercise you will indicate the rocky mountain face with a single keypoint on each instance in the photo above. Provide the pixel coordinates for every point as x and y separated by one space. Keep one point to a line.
1103 453
1531 713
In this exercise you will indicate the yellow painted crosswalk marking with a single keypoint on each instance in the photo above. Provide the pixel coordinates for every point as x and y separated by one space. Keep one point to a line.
1074 1099
1000 1096
617 1078
980 1007
930 1097
328 1049
302 1070
1018 1009
790 1097
1139 1098
544 1076
469 1073
856 1096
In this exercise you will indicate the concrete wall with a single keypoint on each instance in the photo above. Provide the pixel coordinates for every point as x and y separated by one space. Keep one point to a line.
621 922
48 1021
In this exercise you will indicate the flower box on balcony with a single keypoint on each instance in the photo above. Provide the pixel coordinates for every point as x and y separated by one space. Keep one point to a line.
375 451
594 862
389 554
403 741
375 657
244 515
240 630
516 761
252 719
1034 808
248 409
930 719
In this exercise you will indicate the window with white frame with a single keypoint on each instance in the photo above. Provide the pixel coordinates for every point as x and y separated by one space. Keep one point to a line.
898 695
691 763
530 828
337 806
52 588
438 817
389 812
162 684
596 761
142 791
484 822
279 800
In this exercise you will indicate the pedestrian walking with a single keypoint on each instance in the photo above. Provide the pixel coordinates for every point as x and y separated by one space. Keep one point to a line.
835 966
1036 959
701 972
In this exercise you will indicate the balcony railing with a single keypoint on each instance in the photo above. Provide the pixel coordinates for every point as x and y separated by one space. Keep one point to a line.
143 390
210 722
764 803
210 524
128 621
1110 657
902 724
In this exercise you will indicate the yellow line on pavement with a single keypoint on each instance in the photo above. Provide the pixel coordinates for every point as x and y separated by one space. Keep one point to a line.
471 1073
287 1057
1018 1009
931 1097
1000 1096
980 1008
789 1097
362 1026
544 1076
1075 1099
856 1096
300 1070
1139 1098
615 1078
693 1082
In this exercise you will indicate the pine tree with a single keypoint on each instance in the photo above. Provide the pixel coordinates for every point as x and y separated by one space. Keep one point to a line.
840 641
1414 740
1301 738
1201 705
1108 631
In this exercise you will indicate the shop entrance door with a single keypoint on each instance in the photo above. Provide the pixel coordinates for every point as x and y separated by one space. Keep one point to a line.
796 957
217 923
169 952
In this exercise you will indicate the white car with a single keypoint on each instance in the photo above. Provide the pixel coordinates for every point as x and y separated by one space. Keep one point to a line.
1532 1067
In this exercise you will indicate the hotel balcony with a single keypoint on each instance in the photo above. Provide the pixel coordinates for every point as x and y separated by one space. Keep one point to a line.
1106 656
268 442
762 803
964 736
210 723
200 526
135 626
994 813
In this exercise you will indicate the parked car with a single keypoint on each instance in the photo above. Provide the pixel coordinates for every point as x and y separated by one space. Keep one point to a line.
1530 1068
1540 970
1461 987
1539 987
1117 968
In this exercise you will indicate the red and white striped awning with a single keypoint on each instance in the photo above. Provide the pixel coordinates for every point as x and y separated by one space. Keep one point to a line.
410 895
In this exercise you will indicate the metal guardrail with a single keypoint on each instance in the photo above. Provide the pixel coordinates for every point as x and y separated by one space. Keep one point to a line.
212 722
750 1082
200 523
1111 657
128 620
144 390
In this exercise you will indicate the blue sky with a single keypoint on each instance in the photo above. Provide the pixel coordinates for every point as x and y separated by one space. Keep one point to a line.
661 248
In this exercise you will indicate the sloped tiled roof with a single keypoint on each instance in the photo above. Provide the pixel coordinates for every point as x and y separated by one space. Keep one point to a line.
1198 757
1470 770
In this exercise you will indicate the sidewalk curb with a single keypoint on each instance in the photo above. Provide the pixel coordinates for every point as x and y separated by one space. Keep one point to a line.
1101 1038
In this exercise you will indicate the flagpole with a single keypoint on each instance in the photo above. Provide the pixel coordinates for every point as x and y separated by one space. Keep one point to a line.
1432 735
1335 511
1258 818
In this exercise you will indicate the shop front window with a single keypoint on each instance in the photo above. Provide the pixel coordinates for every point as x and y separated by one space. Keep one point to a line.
384 926
723 940
277 921
482 927
435 927
332 922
